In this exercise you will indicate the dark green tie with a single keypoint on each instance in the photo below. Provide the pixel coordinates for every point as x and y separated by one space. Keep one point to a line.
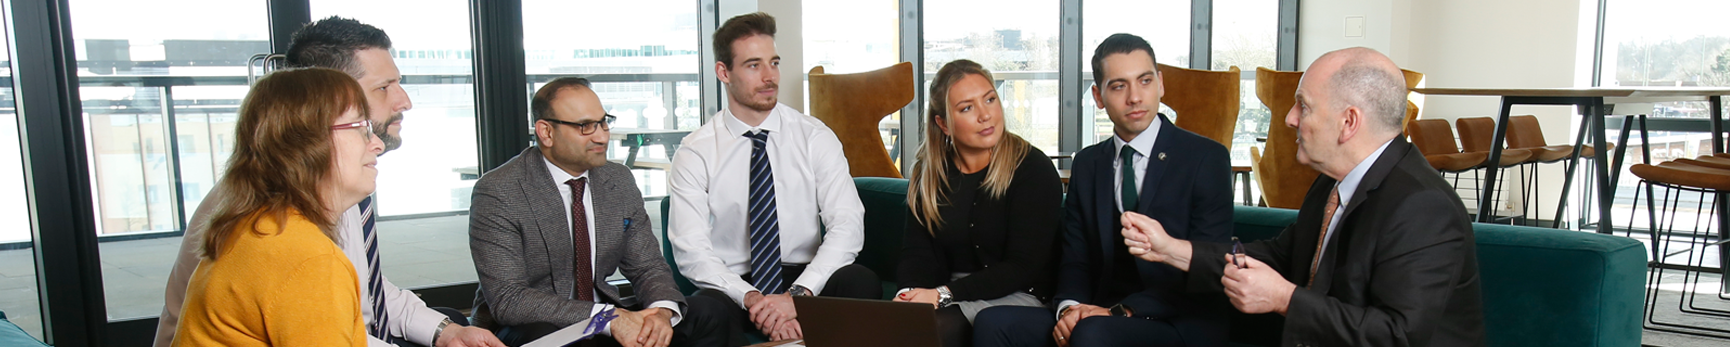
1127 158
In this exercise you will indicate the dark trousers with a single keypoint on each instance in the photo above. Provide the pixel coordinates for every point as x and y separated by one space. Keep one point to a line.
952 327
704 324
456 317
851 281
1032 326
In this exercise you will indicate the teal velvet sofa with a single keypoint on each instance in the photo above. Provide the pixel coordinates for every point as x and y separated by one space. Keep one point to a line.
1542 287
13 336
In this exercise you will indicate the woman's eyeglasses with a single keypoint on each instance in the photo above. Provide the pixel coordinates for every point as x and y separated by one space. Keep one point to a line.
364 124
588 128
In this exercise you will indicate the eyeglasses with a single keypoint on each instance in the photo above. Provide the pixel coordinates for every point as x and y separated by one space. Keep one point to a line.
364 124
1237 253
588 128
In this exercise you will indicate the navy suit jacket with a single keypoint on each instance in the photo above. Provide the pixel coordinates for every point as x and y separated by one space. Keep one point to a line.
1187 188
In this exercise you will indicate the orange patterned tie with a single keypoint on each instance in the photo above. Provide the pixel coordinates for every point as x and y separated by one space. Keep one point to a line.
1327 218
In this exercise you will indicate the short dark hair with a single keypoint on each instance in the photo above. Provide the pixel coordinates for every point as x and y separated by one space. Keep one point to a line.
541 105
1118 44
331 42
739 27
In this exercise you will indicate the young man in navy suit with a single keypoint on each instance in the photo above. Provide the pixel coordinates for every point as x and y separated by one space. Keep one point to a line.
1105 295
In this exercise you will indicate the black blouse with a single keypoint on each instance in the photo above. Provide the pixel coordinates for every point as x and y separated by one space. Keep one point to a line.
1006 244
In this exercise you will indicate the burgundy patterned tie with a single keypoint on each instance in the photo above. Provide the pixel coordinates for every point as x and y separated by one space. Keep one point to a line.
583 272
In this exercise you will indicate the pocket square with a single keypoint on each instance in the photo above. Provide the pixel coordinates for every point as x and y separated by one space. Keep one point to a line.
627 224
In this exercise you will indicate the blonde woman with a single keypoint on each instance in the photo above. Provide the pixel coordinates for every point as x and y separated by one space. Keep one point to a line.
982 208
271 273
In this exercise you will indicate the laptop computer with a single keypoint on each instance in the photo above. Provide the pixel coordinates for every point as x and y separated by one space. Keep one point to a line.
838 322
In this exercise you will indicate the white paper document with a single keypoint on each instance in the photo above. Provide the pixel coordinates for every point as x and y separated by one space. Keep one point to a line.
583 330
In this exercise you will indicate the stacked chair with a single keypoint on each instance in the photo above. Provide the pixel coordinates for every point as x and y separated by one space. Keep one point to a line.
1687 240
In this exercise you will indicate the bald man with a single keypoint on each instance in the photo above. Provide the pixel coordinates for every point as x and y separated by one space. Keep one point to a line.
1382 251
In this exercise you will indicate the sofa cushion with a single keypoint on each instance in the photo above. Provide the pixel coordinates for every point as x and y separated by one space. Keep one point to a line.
1549 287
13 336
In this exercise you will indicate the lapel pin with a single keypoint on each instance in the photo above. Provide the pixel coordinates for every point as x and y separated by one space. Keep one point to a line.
1161 156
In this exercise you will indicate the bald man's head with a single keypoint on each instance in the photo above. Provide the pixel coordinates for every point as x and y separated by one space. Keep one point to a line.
1365 78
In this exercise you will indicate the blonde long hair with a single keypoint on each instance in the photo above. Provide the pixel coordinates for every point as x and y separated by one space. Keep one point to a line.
925 187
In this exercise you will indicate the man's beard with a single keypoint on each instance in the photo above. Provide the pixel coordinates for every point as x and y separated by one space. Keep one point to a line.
765 106
383 132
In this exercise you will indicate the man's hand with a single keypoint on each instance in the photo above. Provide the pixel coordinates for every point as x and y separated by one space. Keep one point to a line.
788 330
652 327
924 295
770 312
461 336
1074 315
1256 288
1148 240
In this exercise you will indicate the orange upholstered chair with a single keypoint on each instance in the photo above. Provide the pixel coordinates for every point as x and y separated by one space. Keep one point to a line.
1206 102
1283 180
853 104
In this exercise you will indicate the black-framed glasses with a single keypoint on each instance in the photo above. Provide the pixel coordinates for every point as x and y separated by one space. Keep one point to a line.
588 128
1237 253
364 124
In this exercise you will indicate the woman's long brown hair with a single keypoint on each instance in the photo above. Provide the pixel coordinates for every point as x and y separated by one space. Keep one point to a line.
282 153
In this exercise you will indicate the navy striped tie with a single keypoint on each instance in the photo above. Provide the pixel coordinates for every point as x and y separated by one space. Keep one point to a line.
375 281
765 226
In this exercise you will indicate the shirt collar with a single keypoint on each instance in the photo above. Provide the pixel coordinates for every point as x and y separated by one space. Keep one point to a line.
1349 184
736 127
559 175
1143 142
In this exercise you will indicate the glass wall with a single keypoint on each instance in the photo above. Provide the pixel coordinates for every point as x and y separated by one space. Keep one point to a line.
1163 23
643 65
19 299
1246 35
159 101
1017 40
425 185
1690 48
854 36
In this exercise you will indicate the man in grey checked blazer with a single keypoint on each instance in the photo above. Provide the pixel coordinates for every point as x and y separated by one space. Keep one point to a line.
538 276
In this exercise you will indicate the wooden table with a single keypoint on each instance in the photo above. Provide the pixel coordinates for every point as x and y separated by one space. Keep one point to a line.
635 139
1592 104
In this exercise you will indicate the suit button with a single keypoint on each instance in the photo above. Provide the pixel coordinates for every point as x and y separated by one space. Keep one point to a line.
970 225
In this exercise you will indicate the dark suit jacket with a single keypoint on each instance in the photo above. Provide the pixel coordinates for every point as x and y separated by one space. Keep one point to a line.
522 246
1011 237
1189 192
1401 270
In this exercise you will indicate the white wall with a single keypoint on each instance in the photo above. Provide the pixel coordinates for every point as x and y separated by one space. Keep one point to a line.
788 42
1471 43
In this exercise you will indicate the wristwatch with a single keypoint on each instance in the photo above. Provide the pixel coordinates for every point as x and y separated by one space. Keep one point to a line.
440 330
944 298
1121 311
799 290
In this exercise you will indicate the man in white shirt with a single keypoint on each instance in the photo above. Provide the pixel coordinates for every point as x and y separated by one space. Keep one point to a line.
538 276
363 51
763 206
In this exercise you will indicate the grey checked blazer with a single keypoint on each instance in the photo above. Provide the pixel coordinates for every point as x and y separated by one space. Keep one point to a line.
522 244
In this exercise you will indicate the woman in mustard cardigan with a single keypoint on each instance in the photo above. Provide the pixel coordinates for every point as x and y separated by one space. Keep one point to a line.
271 273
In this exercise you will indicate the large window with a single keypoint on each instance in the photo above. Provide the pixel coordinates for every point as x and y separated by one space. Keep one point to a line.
159 101
1017 40
1245 35
643 62
1163 23
18 292
1690 48
849 37
433 174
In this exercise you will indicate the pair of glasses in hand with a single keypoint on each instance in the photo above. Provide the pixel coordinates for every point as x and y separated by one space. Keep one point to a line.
1237 253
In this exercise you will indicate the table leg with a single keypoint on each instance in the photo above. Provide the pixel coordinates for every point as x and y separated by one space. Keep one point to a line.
1622 148
1717 105
631 157
1493 163
1573 161
1606 191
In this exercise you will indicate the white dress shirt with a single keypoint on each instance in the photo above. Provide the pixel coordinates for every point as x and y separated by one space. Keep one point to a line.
559 178
813 188
410 318
1347 187
1143 143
